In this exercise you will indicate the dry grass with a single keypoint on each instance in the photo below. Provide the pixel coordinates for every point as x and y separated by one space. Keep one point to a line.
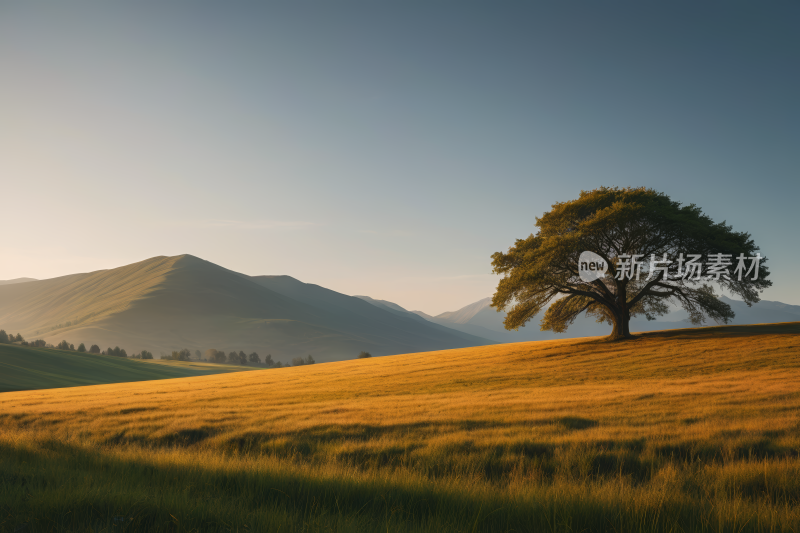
687 430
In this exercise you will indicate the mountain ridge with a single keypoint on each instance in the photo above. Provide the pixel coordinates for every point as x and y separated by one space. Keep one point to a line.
167 303
479 318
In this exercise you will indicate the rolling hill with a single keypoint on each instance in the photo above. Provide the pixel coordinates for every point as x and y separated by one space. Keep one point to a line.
168 303
689 430
24 368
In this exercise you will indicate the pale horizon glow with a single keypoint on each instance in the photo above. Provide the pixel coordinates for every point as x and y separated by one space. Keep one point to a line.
383 150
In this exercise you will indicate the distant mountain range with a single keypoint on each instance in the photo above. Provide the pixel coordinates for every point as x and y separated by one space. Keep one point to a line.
482 320
13 281
168 303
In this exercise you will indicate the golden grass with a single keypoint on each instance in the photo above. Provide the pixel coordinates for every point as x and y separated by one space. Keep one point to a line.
705 419
719 378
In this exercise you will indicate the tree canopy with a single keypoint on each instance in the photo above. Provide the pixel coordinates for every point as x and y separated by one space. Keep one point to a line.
615 253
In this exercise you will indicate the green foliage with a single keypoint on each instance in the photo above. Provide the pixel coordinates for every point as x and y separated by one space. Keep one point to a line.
364 355
94 349
542 270
3 337
63 345
215 356
81 347
299 361
254 359
182 355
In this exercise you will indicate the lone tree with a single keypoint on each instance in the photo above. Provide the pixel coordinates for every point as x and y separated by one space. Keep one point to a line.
617 253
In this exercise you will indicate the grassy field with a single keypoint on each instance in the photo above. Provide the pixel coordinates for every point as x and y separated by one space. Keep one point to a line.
675 431
24 368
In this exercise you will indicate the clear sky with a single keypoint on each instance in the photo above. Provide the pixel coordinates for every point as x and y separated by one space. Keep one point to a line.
383 148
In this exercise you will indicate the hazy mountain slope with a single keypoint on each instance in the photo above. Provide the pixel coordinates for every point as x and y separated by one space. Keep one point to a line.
168 303
39 307
763 312
24 368
469 333
355 316
426 316
201 305
16 280
391 307
481 319
468 314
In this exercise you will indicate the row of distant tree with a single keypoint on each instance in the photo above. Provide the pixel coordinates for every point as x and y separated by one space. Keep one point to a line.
5 338
8 338
212 355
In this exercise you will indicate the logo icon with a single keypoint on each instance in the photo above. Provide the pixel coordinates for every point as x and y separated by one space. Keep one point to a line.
591 266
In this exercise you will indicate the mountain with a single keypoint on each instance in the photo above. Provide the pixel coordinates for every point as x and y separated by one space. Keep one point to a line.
391 307
396 309
354 315
167 303
17 280
481 319
763 312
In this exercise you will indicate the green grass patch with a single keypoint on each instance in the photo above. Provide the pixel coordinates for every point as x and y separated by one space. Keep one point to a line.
25 368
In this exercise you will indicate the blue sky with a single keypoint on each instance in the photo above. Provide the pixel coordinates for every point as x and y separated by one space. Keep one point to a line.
383 148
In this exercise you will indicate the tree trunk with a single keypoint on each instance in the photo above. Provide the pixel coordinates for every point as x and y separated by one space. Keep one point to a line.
622 315
621 327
